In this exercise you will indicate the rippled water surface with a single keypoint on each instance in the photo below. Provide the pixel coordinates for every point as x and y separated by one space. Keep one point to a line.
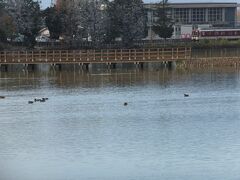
84 132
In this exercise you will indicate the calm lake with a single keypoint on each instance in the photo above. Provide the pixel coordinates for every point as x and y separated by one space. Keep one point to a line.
84 131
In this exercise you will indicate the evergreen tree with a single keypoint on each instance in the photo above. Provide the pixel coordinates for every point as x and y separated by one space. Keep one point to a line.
1 6
2 33
70 15
163 26
96 21
54 22
70 12
127 20
6 24
26 16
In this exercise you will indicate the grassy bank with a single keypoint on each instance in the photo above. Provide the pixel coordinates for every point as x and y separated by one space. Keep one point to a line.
218 43
202 44
10 47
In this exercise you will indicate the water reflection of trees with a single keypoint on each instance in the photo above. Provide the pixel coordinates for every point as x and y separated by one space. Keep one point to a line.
113 78
108 78
216 52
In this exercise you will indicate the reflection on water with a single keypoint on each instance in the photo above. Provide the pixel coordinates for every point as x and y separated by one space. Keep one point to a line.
216 52
85 132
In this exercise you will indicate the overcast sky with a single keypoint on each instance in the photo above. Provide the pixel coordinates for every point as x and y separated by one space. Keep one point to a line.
46 3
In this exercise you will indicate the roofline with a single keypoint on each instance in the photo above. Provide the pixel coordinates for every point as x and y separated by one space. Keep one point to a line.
197 5
219 29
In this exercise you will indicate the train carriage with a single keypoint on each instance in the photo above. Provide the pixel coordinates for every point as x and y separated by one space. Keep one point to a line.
215 34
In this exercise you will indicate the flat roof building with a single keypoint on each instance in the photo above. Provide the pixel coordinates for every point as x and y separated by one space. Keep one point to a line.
217 14
197 14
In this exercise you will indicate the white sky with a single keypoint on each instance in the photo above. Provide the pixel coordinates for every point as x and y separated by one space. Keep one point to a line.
46 3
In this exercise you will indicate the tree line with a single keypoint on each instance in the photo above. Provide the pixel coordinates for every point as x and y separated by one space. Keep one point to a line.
98 21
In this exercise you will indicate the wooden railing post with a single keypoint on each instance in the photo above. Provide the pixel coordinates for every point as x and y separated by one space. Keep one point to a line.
74 55
80 55
135 54
121 55
18 57
143 54
60 53
32 56
129 54
53 55
185 53
11 55
190 52
163 55
149 51
5 56
177 53
67 55
26 56
46 56
39 55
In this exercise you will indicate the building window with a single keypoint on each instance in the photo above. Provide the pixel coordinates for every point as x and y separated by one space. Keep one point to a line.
215 14
181 15
198 15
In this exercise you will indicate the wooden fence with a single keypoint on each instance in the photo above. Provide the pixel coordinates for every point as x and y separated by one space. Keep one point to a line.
94 56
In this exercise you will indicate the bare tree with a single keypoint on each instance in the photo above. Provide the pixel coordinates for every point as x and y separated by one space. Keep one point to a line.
86 20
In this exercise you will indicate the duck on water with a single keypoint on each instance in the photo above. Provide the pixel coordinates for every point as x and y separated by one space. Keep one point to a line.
38 100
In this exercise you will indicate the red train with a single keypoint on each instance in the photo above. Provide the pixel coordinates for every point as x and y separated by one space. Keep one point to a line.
215 34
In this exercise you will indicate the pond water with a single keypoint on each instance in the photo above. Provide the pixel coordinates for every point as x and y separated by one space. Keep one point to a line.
85 132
